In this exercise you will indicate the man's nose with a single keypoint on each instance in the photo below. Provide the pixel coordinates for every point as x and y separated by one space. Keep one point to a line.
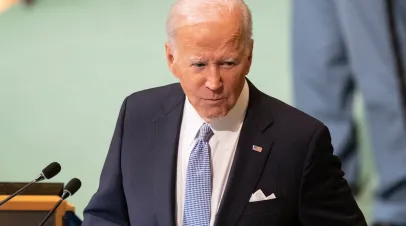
213 79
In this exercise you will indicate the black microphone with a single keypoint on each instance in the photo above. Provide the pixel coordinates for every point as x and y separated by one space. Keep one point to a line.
70 189
47 173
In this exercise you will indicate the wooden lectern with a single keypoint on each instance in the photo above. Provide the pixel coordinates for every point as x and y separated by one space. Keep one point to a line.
30 210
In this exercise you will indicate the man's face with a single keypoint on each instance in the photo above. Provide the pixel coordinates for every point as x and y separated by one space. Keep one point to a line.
211 62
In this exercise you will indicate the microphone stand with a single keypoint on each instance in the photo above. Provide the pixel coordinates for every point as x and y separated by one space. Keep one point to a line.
51 212
39 178
64 196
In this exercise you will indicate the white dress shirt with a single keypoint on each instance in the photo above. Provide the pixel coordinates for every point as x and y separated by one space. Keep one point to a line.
222 146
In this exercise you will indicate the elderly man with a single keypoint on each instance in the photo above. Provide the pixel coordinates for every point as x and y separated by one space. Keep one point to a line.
214 150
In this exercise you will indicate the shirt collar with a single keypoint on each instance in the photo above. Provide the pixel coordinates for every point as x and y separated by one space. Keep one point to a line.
229 123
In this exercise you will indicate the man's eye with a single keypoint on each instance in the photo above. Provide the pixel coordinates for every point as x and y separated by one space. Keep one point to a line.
199 64
228 63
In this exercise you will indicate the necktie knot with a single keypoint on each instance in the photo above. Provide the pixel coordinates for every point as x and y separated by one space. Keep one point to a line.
205 132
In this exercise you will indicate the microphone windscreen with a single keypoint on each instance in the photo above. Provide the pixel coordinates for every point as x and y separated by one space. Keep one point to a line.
51 170
73 186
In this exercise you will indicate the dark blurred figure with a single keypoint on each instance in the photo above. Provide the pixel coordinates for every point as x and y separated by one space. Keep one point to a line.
343 45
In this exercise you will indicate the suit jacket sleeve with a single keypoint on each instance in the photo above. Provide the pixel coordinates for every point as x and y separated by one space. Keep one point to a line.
325 197
108 206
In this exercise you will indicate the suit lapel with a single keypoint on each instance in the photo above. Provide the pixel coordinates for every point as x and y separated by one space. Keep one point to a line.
166 136
247 164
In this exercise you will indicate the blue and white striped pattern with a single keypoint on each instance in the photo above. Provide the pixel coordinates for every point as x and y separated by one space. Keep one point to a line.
199 182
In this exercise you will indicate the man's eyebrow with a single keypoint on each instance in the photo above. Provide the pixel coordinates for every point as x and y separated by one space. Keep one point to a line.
234 58
194 58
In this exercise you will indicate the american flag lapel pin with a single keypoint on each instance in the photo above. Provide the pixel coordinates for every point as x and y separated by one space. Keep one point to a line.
256 148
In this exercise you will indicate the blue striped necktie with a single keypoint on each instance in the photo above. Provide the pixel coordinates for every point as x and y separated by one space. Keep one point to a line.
198 181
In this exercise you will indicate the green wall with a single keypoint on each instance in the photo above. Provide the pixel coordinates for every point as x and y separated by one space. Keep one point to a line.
66 66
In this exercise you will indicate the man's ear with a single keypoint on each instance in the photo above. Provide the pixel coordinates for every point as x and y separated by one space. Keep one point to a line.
170 58
249 55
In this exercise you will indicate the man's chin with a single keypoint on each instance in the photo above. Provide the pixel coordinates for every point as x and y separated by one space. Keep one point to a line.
213 116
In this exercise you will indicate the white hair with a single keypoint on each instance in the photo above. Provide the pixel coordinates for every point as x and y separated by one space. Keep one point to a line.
189 12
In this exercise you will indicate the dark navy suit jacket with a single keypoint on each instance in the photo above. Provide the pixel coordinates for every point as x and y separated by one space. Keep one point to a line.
138 180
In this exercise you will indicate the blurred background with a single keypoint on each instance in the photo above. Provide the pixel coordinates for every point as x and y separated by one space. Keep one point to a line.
66 66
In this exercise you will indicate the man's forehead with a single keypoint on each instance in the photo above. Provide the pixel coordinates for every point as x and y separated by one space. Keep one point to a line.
200 56
221 30
233 43
220 44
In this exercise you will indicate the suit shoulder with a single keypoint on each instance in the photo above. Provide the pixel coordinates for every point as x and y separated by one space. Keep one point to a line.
292 118
295 130
155 93
147 103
